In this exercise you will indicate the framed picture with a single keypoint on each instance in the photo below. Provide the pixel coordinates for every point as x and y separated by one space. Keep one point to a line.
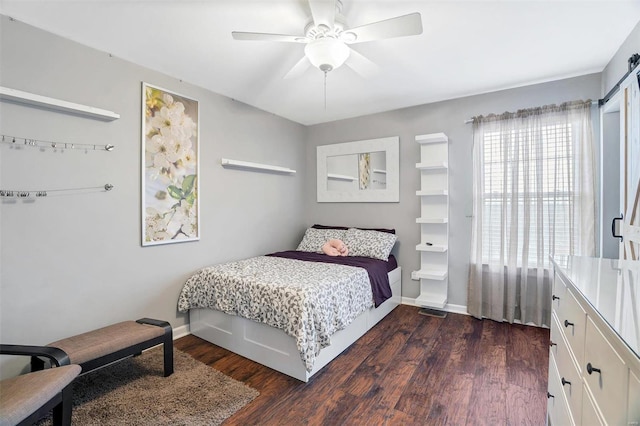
170 145
365 171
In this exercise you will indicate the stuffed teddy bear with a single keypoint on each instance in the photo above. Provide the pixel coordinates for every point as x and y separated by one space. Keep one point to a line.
335 247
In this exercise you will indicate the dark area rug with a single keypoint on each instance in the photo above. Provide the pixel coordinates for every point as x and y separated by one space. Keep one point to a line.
134 392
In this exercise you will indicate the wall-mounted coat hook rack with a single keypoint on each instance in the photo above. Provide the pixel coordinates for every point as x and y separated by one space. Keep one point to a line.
10 193
18 141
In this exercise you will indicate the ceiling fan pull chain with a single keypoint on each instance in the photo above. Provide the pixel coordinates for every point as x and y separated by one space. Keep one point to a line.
325 90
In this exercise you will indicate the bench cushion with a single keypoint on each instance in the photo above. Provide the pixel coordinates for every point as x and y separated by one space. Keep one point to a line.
104 341
23 395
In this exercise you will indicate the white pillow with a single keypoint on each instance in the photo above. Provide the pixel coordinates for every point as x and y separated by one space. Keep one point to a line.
373 244
314 239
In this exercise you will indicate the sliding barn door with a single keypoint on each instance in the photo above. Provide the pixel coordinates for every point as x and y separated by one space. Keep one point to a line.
630 167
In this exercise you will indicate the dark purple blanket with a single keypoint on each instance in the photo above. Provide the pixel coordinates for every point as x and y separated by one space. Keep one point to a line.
377 269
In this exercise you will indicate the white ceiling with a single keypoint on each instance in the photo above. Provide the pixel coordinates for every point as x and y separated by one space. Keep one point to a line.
467 47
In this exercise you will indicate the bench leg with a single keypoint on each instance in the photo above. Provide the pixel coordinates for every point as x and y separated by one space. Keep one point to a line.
62 412
167 342
168 355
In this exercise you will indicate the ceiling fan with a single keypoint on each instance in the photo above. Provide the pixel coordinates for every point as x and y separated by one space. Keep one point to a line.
327 37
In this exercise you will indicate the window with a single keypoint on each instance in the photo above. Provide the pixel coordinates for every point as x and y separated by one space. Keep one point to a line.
533 195
528 175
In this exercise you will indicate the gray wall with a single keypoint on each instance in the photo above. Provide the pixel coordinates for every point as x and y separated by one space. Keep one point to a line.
73 263
610 181
448 117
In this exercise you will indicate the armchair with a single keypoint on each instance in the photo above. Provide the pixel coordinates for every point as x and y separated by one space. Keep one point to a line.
28 397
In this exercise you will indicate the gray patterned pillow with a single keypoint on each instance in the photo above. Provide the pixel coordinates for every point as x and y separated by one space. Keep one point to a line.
314 239
373 244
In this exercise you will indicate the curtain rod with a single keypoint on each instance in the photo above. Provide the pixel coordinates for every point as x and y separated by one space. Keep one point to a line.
470 120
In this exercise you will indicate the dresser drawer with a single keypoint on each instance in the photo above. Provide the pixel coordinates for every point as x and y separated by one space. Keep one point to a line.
609 386
589 412
634 399
558 292
570 380
557 410
555 335
572 320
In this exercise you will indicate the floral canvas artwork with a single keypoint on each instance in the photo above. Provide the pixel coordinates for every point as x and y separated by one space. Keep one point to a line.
170 204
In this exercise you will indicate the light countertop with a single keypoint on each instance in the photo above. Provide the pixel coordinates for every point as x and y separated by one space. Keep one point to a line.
612 287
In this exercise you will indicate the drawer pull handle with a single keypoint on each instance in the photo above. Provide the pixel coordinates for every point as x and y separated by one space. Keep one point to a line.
567 323
551 344
554 297
549 395
565 382
591 369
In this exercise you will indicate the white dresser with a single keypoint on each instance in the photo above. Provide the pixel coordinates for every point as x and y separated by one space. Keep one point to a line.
594 362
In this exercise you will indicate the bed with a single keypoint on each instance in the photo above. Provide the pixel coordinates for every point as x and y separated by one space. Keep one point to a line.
295 311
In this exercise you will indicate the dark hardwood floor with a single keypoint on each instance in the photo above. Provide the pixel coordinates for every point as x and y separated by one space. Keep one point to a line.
409 369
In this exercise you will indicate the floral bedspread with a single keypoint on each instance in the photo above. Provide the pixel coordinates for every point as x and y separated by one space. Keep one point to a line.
307 300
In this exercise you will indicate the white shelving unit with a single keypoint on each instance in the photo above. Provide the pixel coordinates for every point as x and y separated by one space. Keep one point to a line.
434 220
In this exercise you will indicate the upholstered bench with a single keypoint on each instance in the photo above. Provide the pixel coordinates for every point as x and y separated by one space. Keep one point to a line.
106 345
26 398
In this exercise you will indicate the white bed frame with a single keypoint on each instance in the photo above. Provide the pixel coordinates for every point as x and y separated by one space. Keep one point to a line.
275 349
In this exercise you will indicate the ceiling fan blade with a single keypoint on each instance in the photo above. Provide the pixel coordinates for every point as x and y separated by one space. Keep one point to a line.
401 26
362 65
239 35
298 69
323 12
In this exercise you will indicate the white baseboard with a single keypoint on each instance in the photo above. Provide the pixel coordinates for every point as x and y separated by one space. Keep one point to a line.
455 309
181 331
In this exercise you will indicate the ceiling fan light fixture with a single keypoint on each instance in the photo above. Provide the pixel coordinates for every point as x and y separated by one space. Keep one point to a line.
327 53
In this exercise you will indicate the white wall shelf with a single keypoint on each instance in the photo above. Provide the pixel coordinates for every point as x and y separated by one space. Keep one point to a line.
429 274
432 220
18 96
436 299
432 138
335 176
432 192
431 248
434 223
430 165
247 165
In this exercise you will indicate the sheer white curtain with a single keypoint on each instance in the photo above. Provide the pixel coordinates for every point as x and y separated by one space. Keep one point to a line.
533 195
